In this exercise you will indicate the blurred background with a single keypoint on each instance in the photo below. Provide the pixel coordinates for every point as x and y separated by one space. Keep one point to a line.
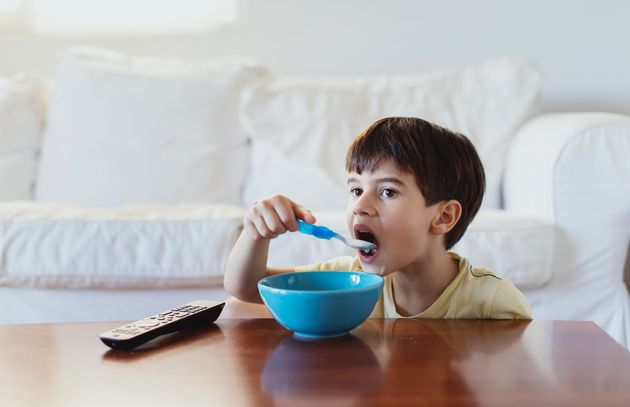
109 132
581 46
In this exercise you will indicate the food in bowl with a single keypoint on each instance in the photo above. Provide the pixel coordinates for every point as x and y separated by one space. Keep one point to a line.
321 304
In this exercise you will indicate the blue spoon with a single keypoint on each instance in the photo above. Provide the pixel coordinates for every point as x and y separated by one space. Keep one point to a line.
323 232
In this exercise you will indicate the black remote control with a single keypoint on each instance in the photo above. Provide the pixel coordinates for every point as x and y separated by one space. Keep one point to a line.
189 316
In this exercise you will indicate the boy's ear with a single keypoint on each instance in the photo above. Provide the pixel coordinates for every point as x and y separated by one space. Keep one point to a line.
446 216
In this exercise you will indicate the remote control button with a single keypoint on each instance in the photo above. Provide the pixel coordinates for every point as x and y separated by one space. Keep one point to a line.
146 323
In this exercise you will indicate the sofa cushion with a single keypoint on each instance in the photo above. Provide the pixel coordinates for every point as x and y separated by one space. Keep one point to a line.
143 246
515 246
301 127
20 122
124 130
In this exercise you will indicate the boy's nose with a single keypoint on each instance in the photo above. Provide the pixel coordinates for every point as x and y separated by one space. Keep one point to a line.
363 207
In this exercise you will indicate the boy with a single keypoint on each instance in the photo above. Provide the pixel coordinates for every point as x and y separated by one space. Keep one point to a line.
414 187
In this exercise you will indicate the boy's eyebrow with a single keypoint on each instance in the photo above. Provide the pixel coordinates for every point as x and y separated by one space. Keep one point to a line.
393 180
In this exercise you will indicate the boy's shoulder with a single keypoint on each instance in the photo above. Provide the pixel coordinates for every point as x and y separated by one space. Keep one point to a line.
476 274
480 279
497 295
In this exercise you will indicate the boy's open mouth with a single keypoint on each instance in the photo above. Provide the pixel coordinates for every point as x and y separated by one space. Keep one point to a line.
363 233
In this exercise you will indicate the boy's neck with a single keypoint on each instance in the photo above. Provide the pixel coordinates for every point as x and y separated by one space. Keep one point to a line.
418 286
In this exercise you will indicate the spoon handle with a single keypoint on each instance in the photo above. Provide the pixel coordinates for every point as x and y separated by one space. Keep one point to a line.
321 232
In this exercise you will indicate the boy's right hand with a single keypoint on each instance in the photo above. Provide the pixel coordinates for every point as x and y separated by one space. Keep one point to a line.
271 217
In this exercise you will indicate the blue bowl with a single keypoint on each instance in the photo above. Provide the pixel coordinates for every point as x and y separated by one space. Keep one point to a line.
321 304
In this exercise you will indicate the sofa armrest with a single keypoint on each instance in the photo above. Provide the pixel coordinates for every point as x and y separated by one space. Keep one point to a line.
558 158
573 169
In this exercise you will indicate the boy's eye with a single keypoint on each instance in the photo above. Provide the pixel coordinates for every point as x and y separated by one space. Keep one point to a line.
388 193
356 191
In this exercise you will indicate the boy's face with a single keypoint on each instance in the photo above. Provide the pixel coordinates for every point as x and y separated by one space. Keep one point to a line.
386 207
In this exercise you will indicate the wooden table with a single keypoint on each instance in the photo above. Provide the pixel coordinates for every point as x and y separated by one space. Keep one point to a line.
256 362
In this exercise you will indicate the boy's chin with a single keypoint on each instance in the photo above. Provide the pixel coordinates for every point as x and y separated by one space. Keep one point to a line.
375 269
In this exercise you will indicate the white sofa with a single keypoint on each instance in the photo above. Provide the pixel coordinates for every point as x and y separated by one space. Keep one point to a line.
124 186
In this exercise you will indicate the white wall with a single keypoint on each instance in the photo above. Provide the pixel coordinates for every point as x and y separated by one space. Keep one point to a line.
581 46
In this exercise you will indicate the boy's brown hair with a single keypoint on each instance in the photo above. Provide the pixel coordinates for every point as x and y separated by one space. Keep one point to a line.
445 164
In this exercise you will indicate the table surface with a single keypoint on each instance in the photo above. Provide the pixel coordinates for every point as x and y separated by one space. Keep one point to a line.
256 362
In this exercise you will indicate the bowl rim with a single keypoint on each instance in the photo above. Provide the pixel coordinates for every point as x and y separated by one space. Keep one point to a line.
376 284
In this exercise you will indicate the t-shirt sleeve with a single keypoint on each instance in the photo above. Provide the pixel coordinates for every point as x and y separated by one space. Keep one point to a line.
344 263
509 303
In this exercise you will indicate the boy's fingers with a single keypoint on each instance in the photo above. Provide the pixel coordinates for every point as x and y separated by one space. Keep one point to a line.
287 215
266 220
261 227
252 231
303 213
273 223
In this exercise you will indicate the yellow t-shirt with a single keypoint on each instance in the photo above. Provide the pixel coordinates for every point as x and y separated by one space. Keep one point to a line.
473 293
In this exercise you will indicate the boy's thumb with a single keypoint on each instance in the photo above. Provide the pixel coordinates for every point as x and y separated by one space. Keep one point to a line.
304 214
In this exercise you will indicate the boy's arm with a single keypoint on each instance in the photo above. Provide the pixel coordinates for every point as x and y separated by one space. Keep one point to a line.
247 262
246 265
509 303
